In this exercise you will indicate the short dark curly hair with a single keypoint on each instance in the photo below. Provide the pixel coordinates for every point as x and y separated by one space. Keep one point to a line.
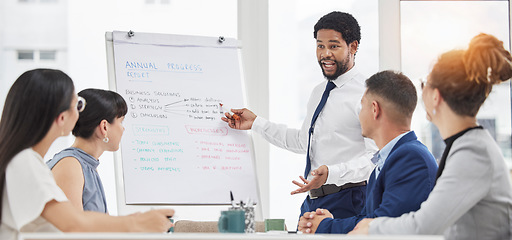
341 22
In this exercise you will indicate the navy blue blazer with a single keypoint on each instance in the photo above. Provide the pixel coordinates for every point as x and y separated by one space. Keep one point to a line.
405 181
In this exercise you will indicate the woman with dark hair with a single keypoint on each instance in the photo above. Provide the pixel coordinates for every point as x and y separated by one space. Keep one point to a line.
98 129
40 107
472 198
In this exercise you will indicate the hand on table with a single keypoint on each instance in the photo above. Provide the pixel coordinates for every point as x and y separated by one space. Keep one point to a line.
154 220
363 227
309 222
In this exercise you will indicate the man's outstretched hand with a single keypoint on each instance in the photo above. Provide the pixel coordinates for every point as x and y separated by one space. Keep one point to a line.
319 179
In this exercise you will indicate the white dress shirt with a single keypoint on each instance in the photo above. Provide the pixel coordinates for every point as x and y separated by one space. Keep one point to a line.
336 141
29 185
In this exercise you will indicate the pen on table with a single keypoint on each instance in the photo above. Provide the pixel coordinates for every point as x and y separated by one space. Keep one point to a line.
228 110
232 199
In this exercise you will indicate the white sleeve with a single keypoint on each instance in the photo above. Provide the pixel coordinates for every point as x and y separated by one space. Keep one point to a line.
29 186
358 168
466 180
280 135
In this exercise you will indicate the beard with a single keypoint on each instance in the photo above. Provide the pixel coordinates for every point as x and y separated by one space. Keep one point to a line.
341 67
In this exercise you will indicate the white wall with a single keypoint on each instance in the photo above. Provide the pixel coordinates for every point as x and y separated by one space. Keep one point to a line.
253 32
32 26
29 26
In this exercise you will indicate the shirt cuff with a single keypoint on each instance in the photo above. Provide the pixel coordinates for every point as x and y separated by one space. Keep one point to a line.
324 226
259 124
334 174
373 226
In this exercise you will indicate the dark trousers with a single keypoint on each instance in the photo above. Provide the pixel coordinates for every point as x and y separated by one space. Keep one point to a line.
343 204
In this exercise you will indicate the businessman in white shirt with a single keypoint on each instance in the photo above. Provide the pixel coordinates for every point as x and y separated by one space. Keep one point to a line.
337 156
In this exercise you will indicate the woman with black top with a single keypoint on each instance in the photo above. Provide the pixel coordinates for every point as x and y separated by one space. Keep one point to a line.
472 198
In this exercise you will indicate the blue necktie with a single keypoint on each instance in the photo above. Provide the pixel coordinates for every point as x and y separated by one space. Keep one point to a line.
330 85
375 160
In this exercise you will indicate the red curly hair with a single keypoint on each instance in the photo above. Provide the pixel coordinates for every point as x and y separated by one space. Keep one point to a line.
465 77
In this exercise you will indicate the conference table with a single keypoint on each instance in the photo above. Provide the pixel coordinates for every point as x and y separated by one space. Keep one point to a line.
212 236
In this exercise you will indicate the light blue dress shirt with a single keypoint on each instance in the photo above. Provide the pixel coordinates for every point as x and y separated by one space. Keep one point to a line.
379 158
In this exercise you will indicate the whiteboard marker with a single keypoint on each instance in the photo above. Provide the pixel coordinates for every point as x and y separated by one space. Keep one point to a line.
228 110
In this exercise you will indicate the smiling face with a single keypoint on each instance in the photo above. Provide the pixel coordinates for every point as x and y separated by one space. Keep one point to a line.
334 55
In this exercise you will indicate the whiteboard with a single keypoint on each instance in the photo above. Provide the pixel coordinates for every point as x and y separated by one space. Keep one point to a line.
175 148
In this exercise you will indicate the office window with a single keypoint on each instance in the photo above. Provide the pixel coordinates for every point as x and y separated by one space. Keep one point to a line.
430 28
294 72
25 55
47 55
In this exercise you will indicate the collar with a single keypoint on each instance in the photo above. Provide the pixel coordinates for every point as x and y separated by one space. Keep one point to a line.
384 152
88 159
35 154
345 77
452 139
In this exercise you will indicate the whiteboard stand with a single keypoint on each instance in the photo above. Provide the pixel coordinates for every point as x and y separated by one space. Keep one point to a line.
202 212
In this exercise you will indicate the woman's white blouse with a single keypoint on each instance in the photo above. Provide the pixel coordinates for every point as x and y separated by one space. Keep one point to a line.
29 186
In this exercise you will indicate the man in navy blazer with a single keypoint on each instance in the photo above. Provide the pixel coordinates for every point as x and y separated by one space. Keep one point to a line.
405 171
